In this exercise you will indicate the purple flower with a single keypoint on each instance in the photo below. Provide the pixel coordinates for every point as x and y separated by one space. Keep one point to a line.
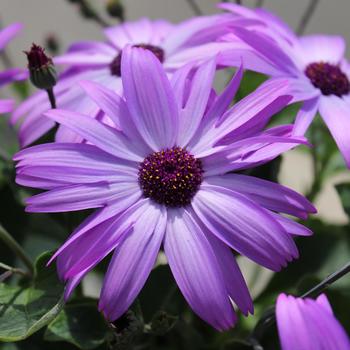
307 324
173 45
12 74
160 178
314 65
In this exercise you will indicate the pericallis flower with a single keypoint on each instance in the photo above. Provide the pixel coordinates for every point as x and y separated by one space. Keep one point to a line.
173 45
307 324
12 74
160 178
314 65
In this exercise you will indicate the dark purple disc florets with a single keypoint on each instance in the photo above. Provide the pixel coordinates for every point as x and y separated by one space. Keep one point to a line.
37 57
115 65
328 78
171 177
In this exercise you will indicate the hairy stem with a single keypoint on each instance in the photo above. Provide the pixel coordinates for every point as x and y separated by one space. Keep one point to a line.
16 248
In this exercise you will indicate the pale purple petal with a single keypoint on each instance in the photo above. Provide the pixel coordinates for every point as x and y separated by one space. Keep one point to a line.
322 48
266 193
99 241
71 198
192 114
10 75
195 267
305 116
307 324
32 129
256 109
323 301
88 58
196 54
6 106
266 47
291 226
335 113
152 105
127 199
244 226
132 262
234 280
104 137
116 109
247 153
8 33
292 330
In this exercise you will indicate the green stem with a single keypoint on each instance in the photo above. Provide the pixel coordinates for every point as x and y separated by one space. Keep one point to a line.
310 10
269 317
13 269
317 167
16 248
318 289
52 98
195 8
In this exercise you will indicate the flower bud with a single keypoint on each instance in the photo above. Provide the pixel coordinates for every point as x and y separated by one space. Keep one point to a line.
42 71
115 9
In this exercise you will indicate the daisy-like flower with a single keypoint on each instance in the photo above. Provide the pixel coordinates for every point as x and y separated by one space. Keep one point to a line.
160 178
314 65
307 324
173 45
13 74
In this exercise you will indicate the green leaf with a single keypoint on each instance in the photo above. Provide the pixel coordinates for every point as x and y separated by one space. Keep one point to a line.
21 88
26 309
344 194
80 324
8 137
250 81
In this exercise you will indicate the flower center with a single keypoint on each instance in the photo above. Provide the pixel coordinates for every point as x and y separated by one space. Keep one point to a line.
171 177
328 78
115 65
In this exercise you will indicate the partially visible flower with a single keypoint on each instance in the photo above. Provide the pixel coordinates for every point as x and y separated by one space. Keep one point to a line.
42 71
162 176
12 74
174 45
314 65
307 324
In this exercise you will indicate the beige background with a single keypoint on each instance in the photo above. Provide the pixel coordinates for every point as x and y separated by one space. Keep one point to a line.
44 16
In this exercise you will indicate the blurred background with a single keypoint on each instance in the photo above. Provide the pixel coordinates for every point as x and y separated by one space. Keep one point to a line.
42 17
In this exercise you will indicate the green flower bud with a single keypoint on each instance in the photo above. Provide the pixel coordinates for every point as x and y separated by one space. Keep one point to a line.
42 71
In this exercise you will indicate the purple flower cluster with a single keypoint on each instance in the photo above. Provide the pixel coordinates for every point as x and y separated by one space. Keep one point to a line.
146 140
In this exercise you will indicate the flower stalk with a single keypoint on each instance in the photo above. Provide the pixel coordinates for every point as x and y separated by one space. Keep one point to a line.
305 19
269 317
17 249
